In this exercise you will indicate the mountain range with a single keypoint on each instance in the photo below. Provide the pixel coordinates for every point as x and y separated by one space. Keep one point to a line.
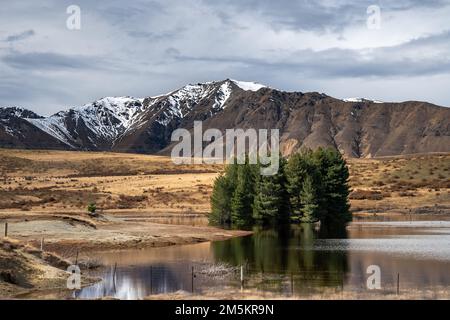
357 127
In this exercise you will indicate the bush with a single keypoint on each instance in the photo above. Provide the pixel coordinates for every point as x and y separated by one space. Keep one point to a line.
366 195
92 208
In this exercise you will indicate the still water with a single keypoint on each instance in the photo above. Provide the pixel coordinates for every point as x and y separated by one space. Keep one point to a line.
299 259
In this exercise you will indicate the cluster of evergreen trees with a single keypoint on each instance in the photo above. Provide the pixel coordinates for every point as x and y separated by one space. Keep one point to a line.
312 186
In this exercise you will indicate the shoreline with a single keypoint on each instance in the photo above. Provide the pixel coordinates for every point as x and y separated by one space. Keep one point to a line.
67 234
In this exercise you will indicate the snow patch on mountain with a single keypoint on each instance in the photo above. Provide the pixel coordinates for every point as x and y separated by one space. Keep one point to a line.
361 100
179 103
248 86
106 119
55 127
7 129
222 96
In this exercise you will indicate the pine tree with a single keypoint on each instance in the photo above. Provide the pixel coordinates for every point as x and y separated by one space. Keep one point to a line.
297 169
221 202
338 188
271 199
333 198
243 197
267 201
310 205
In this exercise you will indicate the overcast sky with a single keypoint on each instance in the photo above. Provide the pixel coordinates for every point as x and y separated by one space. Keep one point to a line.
143 48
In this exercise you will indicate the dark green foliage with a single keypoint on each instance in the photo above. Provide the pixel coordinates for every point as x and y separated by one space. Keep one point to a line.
335 190
243 197
312 186
220 201
309 201
296 172
91 208
271 203
318 186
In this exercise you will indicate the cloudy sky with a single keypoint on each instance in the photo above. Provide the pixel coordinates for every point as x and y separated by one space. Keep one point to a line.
142 48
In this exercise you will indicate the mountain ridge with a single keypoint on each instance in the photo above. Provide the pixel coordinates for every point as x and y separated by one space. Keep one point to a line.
358 127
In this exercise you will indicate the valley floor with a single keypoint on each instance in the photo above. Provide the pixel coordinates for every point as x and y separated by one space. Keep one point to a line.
147 201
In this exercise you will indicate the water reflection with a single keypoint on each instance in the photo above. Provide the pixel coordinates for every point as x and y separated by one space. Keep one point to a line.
298 258
138 282
288 251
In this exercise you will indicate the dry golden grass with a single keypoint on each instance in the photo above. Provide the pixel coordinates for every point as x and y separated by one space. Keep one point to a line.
408 184
69 181
49 181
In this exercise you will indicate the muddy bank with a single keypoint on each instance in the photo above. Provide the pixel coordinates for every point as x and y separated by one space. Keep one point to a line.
24 268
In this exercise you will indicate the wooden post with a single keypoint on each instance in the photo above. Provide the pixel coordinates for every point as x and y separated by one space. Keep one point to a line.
6 229
242 277
114 277
398 283
192 280
42 244
292 284
151 280
76 259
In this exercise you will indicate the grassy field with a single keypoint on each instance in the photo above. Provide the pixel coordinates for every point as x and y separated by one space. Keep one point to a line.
416 184
69 181
61 181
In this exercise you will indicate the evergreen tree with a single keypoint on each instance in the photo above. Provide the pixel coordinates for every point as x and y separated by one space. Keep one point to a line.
243 197
309 199
310 187
333 198
221 201
298 168
337 181
271 199
267 201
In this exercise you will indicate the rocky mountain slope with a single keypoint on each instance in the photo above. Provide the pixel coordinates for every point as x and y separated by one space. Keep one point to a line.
357 127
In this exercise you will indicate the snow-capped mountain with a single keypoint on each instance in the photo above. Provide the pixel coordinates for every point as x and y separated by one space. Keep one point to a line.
94 125
18 112
103 123
358 127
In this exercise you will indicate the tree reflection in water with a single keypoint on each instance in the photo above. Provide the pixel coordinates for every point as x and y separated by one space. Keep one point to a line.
288 252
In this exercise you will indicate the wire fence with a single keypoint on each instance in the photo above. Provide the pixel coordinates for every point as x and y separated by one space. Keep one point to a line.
198 279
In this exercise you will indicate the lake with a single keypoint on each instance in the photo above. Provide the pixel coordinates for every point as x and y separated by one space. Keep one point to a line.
412 254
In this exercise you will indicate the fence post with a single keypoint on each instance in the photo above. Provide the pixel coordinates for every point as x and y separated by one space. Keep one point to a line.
114 277
292 284
192 280
151 279
242 277
42 244
6 229
398 283
76 259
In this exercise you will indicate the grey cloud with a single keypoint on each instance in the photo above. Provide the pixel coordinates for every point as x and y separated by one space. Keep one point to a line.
321 15
156 36
172 52
380 62
20 36
143 48
48 61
